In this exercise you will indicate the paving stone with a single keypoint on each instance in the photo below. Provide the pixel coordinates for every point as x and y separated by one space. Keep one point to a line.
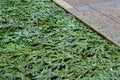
101 15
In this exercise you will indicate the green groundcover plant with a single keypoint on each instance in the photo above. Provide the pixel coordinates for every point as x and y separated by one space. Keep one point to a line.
40 41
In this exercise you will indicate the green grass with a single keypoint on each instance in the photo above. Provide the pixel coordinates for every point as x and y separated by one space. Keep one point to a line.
40 41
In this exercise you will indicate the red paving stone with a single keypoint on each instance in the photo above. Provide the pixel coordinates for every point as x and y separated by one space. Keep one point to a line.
104 14
78 3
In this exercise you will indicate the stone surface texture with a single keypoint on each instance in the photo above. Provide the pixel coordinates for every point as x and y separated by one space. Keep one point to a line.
101 15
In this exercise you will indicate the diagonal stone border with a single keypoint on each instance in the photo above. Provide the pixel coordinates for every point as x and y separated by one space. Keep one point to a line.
113 37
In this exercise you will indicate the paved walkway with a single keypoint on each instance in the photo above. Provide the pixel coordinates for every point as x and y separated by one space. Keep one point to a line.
101 15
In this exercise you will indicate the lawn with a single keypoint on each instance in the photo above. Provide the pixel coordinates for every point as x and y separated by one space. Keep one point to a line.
41 41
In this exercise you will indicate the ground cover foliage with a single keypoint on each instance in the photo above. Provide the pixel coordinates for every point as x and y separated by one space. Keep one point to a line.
40 41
